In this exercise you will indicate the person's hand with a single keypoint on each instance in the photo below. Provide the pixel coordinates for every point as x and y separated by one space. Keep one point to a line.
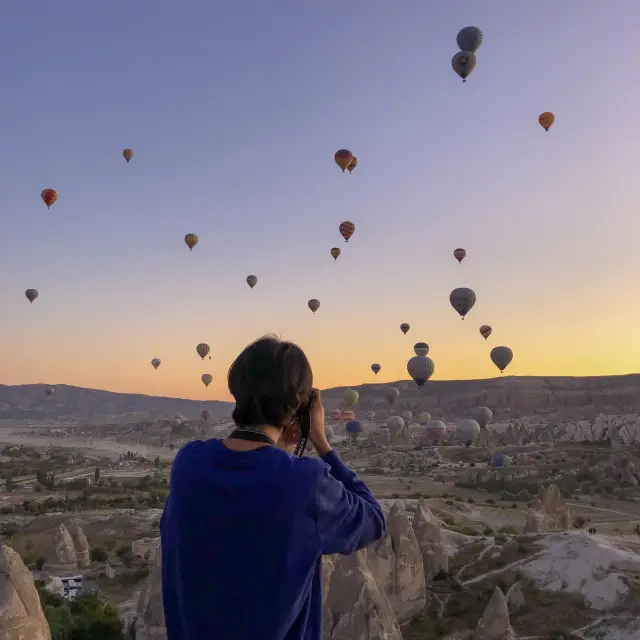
289 439
317 434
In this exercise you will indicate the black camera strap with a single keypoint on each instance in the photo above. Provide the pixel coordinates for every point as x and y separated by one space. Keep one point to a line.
253 436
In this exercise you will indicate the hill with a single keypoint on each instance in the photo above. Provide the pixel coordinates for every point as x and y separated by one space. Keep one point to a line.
507 396
29 402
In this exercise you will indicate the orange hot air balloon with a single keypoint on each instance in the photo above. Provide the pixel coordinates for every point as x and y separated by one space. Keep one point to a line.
353 164
459 254
347 229
344 158
546 119
49 196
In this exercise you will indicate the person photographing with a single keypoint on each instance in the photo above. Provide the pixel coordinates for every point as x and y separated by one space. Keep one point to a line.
246 522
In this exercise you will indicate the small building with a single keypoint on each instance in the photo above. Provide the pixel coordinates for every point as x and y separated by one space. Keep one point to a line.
72 586
146 548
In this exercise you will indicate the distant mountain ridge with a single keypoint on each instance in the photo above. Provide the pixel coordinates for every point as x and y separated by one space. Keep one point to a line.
30 402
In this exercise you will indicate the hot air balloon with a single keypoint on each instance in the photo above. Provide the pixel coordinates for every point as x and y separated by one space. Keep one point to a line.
425 416
469 39
404 327
191 240
336 414
501 460
482 415
395 424
329 433
462 300
203 349
421 348
459 254
343 158
252 281
31 294
420 368
370 415
205 414
313 304
206 379
546 119
375 367
467 430
347 415
501 357
128 154
49 196
435 431
351 397
353 164
49 391
485 331
347 229
463 63
335 252
354 429
391 394
407 416
156 362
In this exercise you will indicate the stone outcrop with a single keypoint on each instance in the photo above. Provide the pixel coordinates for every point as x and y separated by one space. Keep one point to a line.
55 586
355 607
150 623
495 624
533 522
431 542
21 615
61 556
80 544
514 597
396 562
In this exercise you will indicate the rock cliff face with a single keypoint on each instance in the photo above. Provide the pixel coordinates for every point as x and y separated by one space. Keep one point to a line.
61 557
431 542
21 615
150 613
80 544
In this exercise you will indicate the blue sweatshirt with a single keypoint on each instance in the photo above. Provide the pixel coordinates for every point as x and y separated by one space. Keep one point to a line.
242 537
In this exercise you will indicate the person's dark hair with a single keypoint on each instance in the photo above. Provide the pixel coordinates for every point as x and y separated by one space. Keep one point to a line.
269 380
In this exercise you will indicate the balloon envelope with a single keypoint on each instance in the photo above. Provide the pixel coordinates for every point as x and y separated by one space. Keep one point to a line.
354 426
420 368
49 391
421 348
128 154
482 415
203 349
485 331
347 229
206 379
31 294
463 63
462 300
49 196
459 254
467 430
501 357
191 240
353 164
252 281
407 416
391 394
546 120
375 367
395 424
156 362
469 39
404 327
425 416
313 304
335 252
343 158
351 397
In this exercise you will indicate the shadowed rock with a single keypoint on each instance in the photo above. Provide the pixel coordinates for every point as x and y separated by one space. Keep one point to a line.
494 624
80 544
514 597
431 542
150 623
61 556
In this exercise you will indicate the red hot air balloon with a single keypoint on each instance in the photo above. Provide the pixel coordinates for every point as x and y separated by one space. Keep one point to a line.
49 196
459 254
347 229
344 158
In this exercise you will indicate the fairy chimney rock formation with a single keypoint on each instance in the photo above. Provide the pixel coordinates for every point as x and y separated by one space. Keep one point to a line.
150 624
21 615
80 544
431 541
495 624
356 608
514 597
61 557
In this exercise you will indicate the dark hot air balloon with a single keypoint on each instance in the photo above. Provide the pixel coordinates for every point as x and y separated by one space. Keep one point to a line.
347 229
459 254
344 158
31 294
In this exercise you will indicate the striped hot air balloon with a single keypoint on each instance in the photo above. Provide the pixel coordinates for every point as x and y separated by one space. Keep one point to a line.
459 254
347 229
485 331
343 158
49 196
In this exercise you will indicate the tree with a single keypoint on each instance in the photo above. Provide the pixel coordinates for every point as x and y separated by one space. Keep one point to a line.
98 554
156 462
96 474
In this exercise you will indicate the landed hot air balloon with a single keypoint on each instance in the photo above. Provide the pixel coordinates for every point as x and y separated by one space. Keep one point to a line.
353 164
421 348
329 433
347 229
463 63
425 416
501 460
467 430
404 327
485 331
420 368
205 414
459 254
351 397
343 158
49 196
482 415
191 240
336 414
407 416
462 300
395 424
335 252
49 391
375 367
31 294
203 349
128 154
313 304
206 379
469 39
435 431
156 362
416 430
347 415
391 394
546 120
354 429
501 357
252 281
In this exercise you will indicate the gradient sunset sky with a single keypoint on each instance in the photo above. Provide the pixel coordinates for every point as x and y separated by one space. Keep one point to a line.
235 109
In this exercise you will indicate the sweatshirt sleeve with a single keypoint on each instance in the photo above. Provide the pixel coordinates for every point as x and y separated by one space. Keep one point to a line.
349 517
